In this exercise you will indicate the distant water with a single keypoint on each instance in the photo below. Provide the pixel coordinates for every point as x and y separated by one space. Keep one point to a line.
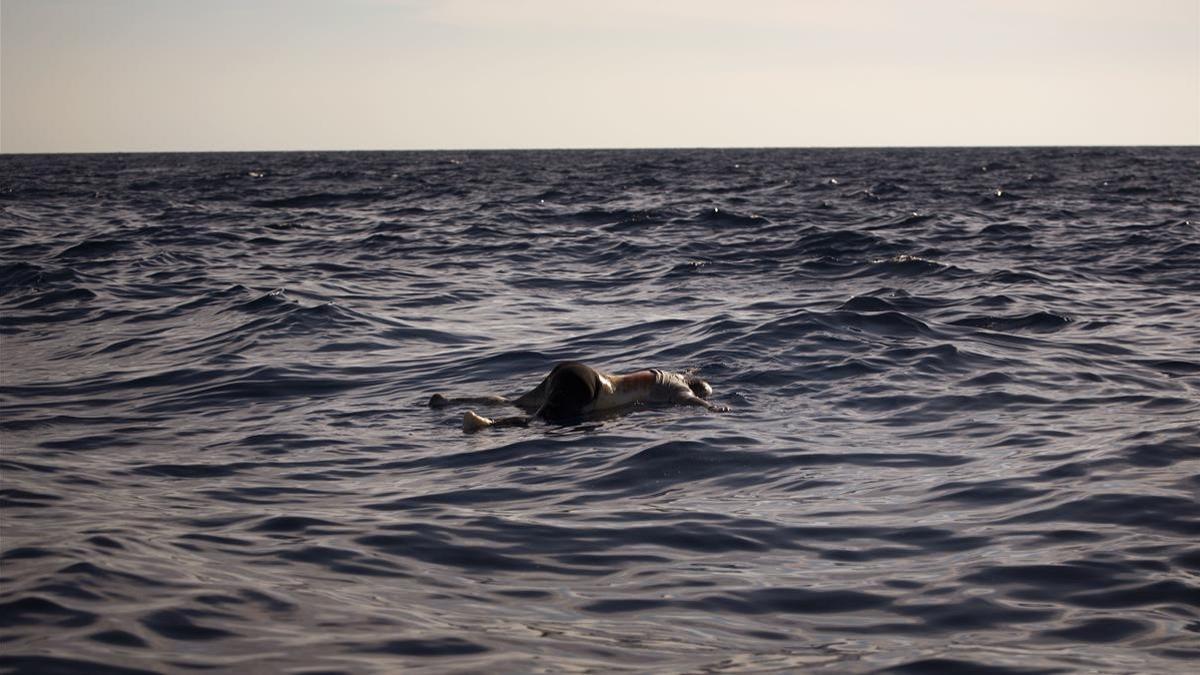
965 434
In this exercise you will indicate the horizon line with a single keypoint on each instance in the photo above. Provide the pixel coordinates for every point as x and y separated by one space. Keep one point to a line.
605 149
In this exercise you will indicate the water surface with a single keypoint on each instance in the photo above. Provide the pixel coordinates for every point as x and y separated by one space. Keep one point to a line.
964 437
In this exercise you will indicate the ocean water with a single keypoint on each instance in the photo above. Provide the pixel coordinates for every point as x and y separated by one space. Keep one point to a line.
964 436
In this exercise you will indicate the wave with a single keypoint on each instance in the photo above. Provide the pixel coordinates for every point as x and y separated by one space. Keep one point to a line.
95 248
321 200
962 389
1036 322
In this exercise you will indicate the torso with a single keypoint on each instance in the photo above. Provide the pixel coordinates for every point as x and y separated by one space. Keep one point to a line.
644 386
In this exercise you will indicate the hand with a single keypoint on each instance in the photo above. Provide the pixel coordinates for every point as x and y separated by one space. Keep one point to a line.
473 422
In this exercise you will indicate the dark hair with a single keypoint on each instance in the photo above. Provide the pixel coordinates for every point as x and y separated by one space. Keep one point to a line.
698 386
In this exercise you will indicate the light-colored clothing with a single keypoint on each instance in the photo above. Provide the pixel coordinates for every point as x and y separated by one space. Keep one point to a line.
668 386
653 386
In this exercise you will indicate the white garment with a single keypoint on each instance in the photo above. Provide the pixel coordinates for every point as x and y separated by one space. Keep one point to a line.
668 386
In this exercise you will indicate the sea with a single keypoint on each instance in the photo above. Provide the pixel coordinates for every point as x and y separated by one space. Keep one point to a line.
963 436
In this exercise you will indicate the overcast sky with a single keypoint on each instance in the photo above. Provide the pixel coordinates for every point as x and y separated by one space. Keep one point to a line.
124 75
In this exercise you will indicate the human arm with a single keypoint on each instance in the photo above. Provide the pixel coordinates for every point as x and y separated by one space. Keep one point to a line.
473 422
688 398
528 402
440 401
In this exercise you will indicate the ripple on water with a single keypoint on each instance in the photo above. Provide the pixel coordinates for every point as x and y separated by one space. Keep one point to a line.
963 437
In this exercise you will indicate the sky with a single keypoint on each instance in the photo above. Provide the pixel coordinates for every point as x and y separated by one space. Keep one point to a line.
216 75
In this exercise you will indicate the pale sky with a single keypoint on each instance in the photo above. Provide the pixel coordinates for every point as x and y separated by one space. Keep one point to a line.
163 75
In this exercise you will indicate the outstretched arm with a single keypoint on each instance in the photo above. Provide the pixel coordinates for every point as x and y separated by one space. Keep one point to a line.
473 422
692 399
528 402
439 401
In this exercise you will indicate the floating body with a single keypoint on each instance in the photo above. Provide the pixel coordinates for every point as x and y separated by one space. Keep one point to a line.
573 390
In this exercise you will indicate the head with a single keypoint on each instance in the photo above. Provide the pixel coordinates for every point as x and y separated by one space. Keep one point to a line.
698 386
571 389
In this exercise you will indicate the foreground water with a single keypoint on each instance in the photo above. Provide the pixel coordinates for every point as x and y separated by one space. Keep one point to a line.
965 433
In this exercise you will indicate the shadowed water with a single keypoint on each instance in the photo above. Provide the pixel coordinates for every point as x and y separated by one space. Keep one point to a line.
964 437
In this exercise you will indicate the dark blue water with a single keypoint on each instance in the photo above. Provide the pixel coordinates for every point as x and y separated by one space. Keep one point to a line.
964 437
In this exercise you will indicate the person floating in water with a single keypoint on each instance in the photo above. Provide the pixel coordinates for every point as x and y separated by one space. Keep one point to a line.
573 390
